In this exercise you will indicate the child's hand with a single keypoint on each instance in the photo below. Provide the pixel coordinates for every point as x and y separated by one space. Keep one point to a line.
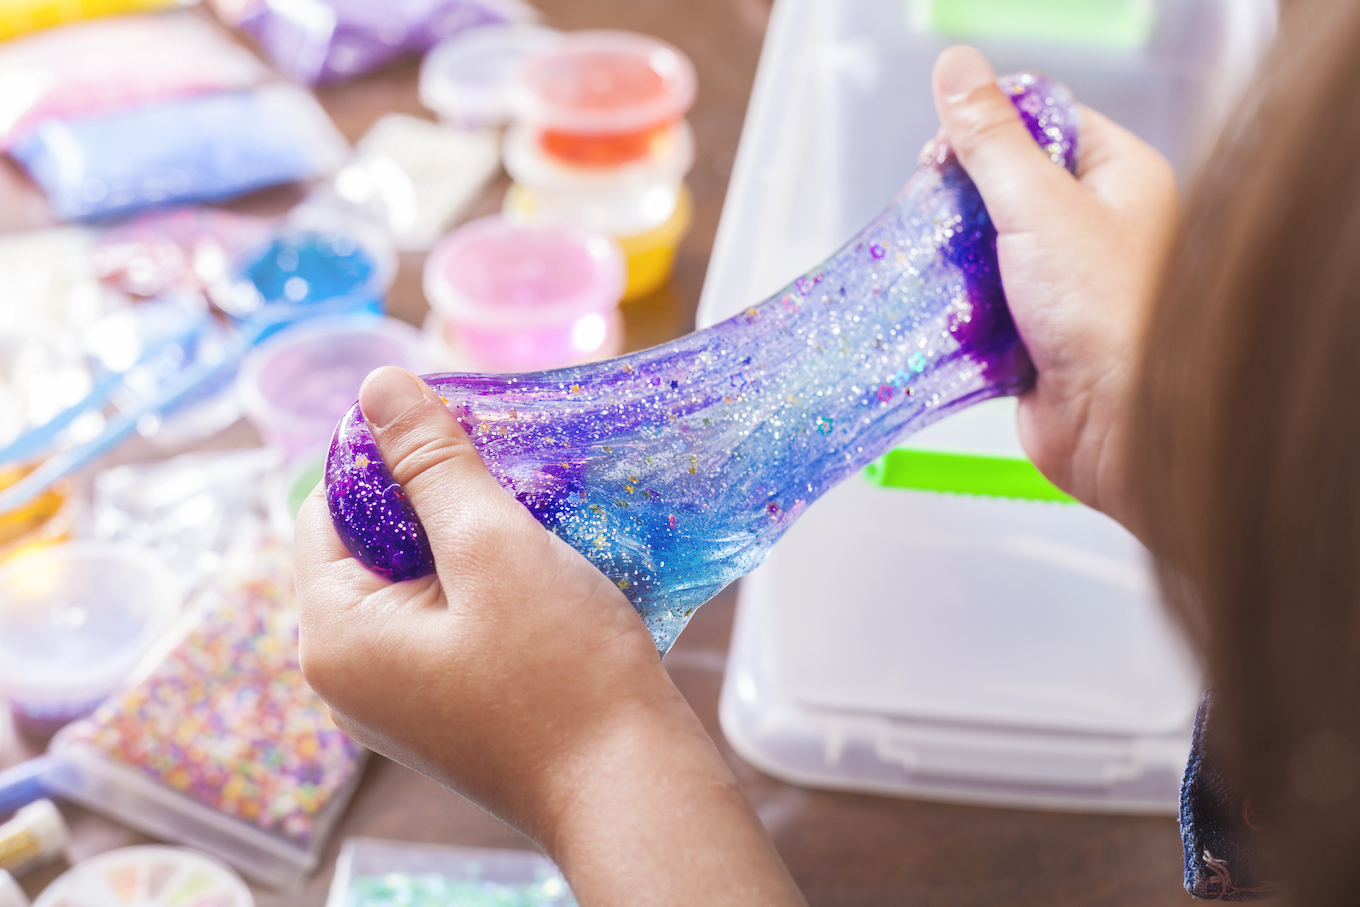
521 677
1081 261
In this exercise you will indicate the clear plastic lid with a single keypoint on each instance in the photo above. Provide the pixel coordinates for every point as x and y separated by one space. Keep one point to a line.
470 79
77 619
600 98
492 273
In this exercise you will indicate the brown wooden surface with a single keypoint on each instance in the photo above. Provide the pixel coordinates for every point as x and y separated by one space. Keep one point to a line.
843 849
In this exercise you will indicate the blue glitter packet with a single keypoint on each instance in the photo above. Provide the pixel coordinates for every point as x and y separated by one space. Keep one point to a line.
375 873
203 148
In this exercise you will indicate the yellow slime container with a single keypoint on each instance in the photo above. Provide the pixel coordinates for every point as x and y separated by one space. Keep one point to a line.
650 254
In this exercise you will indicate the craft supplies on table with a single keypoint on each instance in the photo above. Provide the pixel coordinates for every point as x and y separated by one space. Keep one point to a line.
471 79
376 873
296 385
11 895
324 42
76 620
201 148
116 64
148 877
512 297
19 17
942 643
175 250
193 511
222 746
35 837
312 267
601 140
414 178
604 98
22 784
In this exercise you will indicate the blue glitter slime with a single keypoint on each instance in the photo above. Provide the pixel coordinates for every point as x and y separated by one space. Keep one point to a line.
674 470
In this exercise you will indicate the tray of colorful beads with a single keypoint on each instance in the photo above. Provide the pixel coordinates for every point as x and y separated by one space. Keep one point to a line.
223 746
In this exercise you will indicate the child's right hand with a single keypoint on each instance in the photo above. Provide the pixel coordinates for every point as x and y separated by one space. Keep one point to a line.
1081 262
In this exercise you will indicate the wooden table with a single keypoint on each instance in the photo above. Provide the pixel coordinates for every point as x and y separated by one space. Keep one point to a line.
843 849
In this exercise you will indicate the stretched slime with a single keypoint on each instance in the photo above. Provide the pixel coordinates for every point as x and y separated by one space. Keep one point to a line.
674 470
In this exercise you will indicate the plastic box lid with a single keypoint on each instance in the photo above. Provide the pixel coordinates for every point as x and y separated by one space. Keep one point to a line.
933 644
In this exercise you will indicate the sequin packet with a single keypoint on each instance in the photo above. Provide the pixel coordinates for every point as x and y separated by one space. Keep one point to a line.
223 746
377 873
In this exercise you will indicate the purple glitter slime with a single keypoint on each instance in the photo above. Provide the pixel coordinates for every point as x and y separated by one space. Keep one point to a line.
674 470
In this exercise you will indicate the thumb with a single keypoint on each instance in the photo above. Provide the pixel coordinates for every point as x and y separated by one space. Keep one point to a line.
1018 182
431 457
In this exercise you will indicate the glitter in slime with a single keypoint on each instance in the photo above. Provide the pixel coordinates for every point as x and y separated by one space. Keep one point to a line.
674 470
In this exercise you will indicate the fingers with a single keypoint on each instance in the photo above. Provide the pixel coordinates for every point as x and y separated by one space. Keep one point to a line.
432 459
1017 180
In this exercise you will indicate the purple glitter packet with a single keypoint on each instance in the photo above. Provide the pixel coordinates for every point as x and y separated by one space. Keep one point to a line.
324 42
674 470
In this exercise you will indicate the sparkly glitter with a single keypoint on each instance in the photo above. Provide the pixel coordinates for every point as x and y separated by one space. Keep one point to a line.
935 307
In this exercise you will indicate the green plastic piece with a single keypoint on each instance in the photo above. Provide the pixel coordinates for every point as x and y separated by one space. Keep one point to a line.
1110 24
997 477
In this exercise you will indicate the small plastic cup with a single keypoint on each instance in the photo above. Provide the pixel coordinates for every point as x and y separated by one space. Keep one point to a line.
288 489
305 271
470 79
76 620
520 297
605 98
619 201
297 384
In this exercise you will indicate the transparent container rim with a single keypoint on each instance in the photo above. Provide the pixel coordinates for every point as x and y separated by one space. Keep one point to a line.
667 60
473 103
259 407
241 289
101 678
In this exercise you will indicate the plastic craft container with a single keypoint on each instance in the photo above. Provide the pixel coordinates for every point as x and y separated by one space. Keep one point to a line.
513 297
76 621
931 644
148 877
376 873
604 98
309 270
297 384
470 80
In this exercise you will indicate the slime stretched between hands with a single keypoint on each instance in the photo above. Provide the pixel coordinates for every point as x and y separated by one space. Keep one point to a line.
674 470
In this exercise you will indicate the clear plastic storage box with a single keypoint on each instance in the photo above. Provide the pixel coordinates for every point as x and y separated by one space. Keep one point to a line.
934 644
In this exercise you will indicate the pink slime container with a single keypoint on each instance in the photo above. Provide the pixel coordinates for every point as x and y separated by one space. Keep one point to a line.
519 297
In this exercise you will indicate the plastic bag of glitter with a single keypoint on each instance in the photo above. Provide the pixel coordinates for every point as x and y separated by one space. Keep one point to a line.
202 148
376 873
115 64
323 42
223 746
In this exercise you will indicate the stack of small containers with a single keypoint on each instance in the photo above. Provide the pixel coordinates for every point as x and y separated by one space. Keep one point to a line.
600 140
